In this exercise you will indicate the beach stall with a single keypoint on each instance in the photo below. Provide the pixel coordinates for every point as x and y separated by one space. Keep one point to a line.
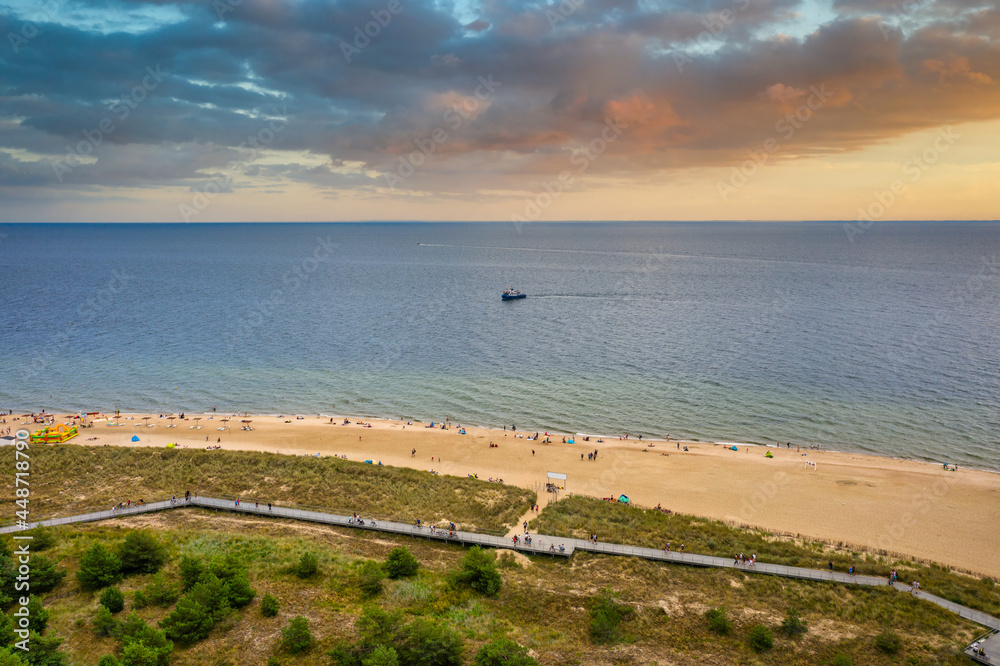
54 434
556 481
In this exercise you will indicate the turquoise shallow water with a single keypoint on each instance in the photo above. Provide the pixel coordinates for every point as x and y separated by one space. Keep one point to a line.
738 332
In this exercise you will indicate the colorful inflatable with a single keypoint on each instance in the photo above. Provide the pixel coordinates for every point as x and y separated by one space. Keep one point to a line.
54 434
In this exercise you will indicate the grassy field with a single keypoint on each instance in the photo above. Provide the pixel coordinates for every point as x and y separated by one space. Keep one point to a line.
616 523
68 480
543 603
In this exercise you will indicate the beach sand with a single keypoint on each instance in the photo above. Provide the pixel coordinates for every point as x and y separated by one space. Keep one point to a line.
912 508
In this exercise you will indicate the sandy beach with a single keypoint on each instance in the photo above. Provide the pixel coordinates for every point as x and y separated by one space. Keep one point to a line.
912 508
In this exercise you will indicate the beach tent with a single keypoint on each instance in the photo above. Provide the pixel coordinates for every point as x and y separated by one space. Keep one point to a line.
623 499
171 445
134 438
570 441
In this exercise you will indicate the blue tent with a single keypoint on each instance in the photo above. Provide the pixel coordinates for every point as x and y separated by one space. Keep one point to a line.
135 438
623 499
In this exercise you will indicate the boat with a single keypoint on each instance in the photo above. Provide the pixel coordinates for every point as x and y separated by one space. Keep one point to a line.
512 294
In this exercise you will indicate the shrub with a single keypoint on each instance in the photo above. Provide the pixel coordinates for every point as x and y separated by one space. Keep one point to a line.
400 563
108 660
296 638
113 599
139 599
211 593
841 659
43 538
718 622
307 567
381 656
143 645
99 567
188 623
7 635
45 577
268 606
503 652
605 616
423 643
761 638
161 592
104 622
793 625
238 591
370 580
888 642
141 553
273 661
191 569
45 650
478 570
38 617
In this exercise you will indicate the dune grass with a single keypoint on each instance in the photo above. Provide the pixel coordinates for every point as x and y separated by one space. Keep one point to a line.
69 479
617 523
543 604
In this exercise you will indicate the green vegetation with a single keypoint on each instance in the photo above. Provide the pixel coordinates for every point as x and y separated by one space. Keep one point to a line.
307 566
606 614
370 579
456 606
718 621
761 638
401 563
888 642
113 599
67 487
793 626
421 642
269 605
141 553
99 567
545 607
579 517
296 637
503 652
479 571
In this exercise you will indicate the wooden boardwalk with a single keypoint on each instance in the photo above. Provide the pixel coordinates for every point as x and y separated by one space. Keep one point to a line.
541 545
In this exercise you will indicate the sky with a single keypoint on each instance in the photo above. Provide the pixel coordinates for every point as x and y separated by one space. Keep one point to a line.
307 110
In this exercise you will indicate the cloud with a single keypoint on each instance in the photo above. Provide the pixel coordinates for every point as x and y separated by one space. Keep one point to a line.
224 79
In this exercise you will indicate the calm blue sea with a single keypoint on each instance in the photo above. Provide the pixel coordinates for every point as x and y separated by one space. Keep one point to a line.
889 344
